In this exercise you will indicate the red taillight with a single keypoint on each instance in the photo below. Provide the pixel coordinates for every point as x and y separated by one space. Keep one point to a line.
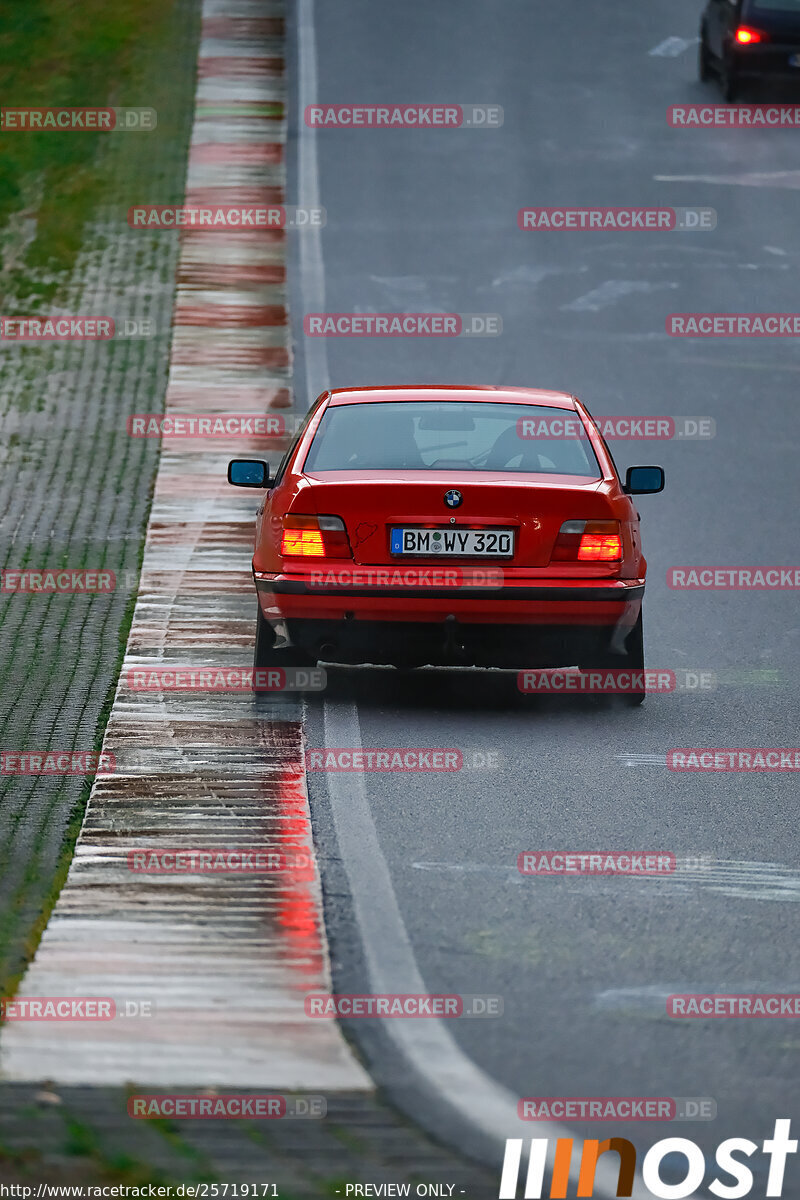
303 543
588 541
748 37
600 547
314 537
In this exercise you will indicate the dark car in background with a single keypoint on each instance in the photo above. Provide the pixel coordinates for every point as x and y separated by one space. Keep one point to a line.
749 39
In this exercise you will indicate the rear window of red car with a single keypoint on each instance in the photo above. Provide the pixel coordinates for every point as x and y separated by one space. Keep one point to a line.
447 435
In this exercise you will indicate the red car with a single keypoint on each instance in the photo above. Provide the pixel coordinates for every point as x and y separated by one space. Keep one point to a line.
482 526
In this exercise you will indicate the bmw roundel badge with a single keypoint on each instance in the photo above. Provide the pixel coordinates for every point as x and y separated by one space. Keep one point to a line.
453 498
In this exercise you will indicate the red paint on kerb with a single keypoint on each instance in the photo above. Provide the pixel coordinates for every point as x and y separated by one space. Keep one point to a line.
200 238
208 197
231 316
224 356
232 67
247 153
211 274
188 397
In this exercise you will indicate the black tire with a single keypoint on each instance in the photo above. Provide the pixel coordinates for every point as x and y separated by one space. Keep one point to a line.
632 659
265 654
729 81
704 68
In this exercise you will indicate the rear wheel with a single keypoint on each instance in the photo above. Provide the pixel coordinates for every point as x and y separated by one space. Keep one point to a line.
729 80
266 655
631 659
634 660
704 69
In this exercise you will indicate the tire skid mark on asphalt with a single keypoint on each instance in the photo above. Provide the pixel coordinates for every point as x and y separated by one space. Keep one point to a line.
225 959
779 179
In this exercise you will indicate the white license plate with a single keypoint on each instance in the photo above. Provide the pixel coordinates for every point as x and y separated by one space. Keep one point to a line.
453 543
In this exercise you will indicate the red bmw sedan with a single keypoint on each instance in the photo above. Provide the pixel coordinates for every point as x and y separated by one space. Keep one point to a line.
482 526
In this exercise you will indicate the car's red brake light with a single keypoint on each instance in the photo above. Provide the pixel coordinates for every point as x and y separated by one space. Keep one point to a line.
746 36
314 537
600 547
588 541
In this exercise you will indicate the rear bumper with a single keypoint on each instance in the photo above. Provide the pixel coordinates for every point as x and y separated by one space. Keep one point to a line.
772 61
525 600
560 622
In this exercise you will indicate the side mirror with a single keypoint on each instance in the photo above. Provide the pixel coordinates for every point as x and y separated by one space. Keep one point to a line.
644 481
243 472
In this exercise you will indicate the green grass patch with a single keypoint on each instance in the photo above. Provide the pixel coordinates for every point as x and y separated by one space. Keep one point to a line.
54 53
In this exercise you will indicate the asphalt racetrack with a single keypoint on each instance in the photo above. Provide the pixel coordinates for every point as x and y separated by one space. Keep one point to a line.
420 869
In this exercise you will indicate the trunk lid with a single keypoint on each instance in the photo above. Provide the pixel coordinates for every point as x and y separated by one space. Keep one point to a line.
534 506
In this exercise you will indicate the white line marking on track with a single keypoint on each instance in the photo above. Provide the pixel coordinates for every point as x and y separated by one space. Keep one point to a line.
783 179
737 878
672 47
643 760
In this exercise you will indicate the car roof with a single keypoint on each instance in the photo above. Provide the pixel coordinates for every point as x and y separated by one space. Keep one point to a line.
467 393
